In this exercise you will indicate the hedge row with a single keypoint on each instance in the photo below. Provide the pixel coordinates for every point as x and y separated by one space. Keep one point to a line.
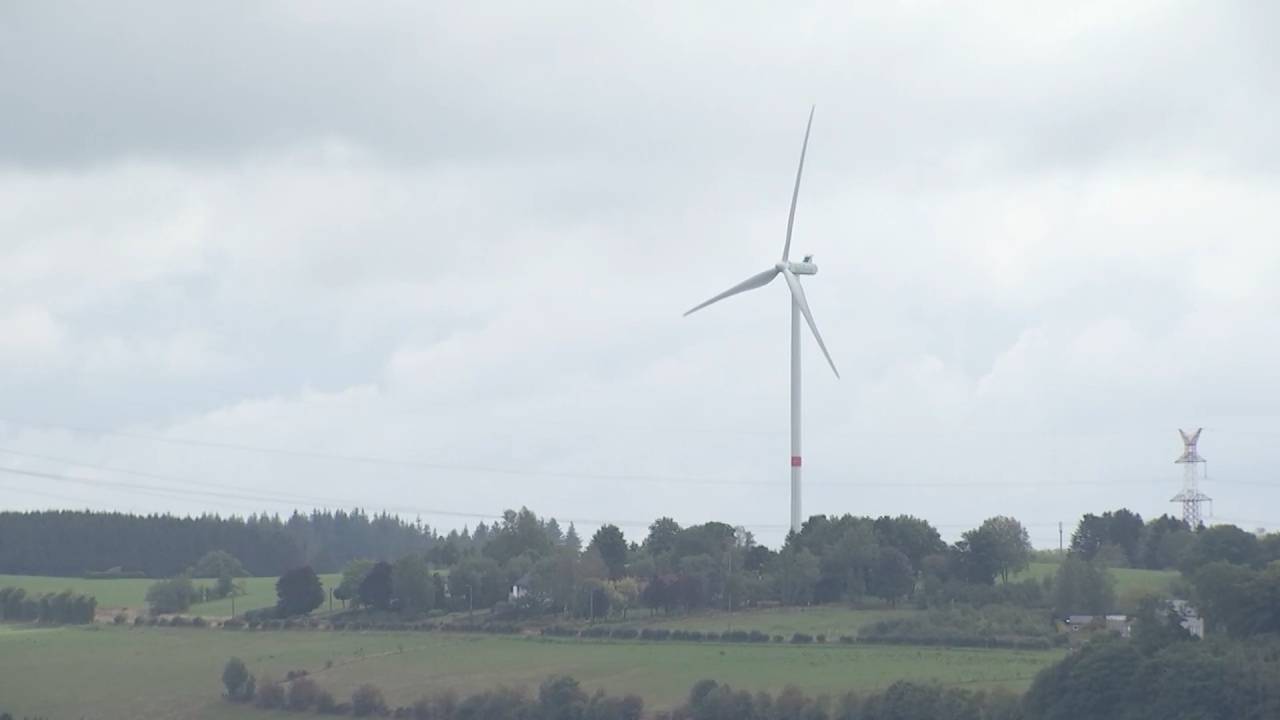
65 607
663 634
1009 643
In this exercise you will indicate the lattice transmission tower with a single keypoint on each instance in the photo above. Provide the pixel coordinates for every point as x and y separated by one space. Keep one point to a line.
1193 471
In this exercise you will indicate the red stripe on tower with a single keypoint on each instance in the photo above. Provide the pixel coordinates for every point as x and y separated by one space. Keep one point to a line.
795 461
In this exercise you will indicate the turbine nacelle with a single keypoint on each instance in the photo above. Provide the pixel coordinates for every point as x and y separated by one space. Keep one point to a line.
798 268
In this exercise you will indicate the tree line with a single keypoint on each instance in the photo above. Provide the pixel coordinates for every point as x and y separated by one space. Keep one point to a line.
527 565
62 608
82 542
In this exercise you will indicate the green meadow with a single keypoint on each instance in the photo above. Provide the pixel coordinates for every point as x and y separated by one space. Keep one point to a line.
126 672
1132 584
131 593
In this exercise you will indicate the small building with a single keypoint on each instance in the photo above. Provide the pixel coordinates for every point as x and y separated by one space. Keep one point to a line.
521 587
1118 624
1076 623
1191 620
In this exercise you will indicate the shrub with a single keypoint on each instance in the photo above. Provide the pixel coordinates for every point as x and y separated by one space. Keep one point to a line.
199 622
367 700
303 694
820 638
170 596
271 696
625 633
325 703
238 681
989 626
440 706
801 638
120 619
778 638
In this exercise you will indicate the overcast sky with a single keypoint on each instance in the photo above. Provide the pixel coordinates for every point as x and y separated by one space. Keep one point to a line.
439 252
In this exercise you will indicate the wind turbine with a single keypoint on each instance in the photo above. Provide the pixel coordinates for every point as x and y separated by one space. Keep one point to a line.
799 306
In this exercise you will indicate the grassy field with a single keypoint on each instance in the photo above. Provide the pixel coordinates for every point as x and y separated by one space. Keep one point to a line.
122 672
1131 584
131 593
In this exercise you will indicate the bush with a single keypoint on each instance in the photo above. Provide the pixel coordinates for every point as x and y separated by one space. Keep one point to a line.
625 633
367 700
259 616
801 638
989 626
113 574
171 596
120 619
820 638
237 680
271 696
325 703
303 694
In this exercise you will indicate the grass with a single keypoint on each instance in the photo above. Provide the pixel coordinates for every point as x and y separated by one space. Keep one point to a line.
131 593
122 672
1132 584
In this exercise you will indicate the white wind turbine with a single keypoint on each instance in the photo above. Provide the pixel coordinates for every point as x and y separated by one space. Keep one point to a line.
790 271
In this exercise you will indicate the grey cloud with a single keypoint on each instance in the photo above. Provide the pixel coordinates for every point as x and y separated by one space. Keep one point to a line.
463 235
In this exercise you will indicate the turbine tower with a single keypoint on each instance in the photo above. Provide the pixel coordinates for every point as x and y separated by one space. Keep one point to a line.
1193 469
799 306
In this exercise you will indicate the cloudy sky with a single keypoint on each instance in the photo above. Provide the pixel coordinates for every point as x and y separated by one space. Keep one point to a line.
432 257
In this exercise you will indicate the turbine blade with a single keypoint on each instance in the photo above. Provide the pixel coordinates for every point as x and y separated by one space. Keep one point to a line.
795 194
797 293
751 283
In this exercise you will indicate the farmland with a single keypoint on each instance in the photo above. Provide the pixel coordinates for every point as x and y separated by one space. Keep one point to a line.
1131 583
125 672
131 593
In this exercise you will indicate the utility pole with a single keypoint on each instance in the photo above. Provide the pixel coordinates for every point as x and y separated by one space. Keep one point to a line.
1059 536
471 603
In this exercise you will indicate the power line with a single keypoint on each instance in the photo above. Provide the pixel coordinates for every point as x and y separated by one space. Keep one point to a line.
407 510
205 495
628 478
